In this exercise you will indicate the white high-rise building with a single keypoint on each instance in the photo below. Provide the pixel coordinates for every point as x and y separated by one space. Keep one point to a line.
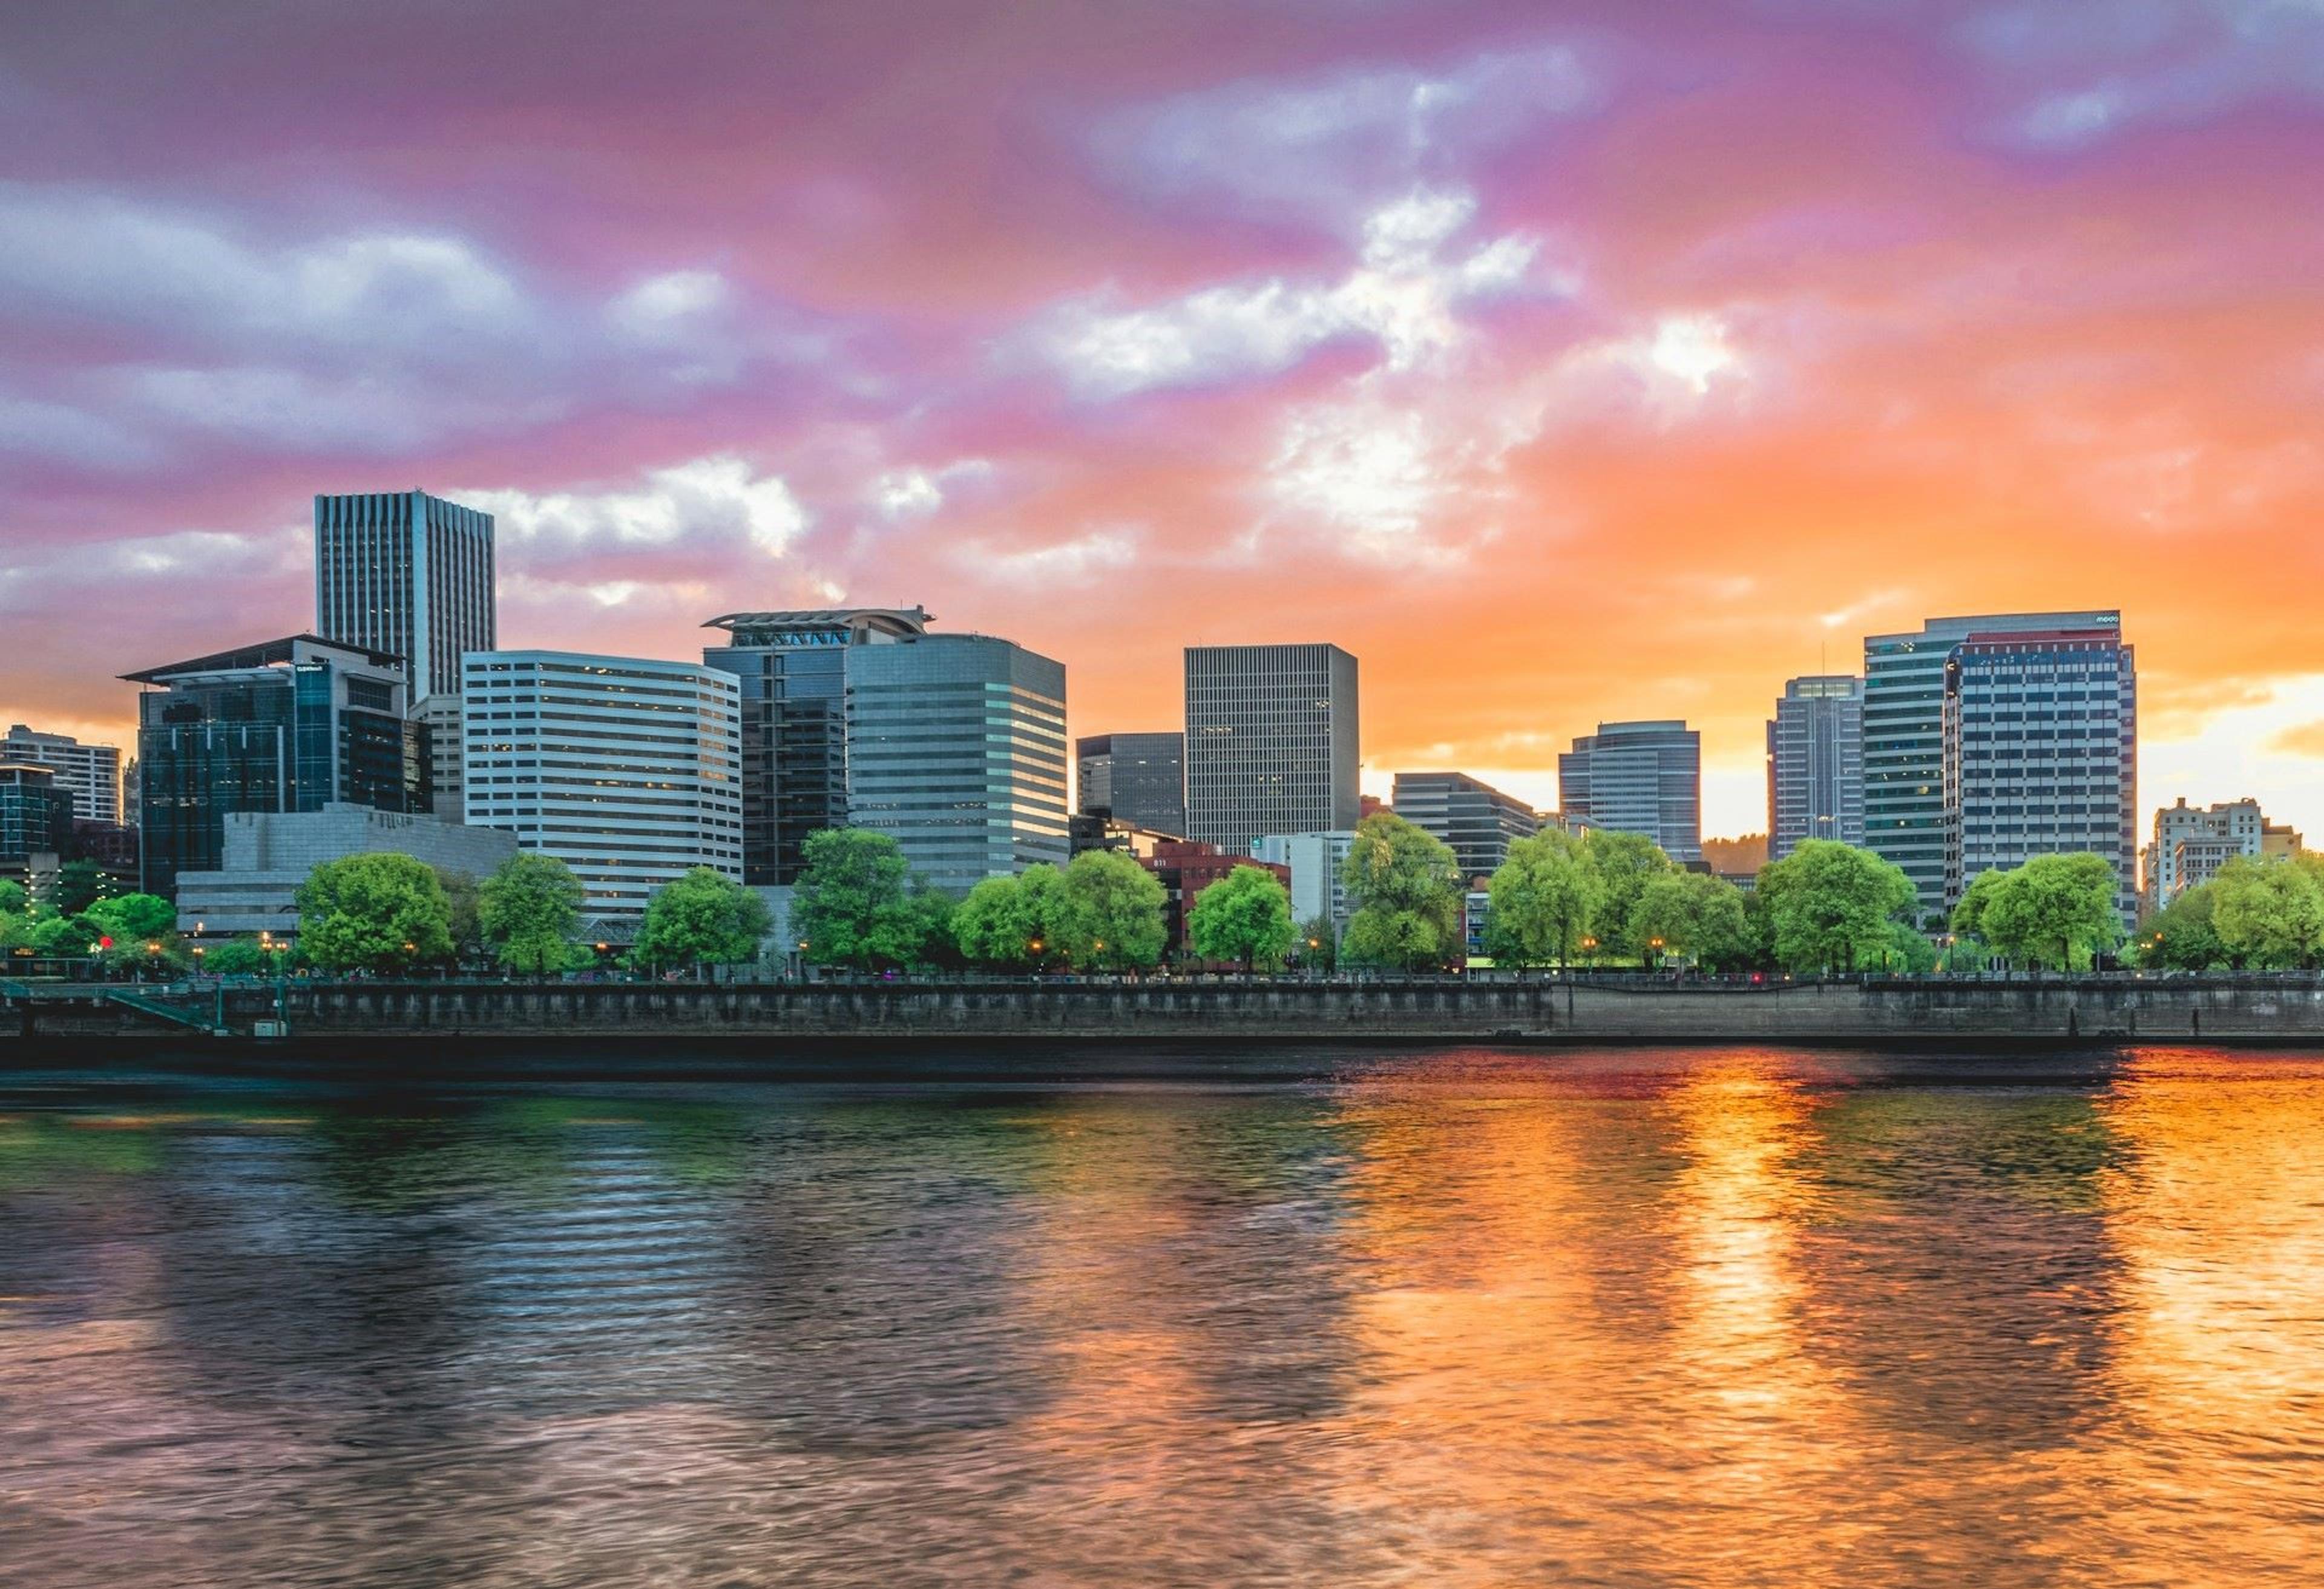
629 770
90 773
2192 842
1316 862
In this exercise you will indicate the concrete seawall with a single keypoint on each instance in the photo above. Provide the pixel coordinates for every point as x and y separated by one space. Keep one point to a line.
2257 1010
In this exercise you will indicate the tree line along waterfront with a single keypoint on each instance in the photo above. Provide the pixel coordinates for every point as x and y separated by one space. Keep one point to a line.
1597 900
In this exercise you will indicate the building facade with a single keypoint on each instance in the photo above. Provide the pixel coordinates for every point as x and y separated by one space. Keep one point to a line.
956 749
292 724
1271 742
1478 822
1905 736
792 670
406 573
266 857
2192 842
627 770
90 774
1637 777
1314 867
1139 779
2040 753
36 814
1815 763
1187 866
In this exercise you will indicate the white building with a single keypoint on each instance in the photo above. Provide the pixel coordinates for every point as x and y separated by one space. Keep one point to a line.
1316 861
90 773
2192 842
626 769
268 854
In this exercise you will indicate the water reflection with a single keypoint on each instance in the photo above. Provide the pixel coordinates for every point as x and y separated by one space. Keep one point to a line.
1719 1319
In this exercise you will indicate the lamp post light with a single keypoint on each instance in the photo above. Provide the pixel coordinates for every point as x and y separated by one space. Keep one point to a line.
1590 952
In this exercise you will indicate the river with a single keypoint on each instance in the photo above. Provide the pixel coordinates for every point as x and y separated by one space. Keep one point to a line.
1702 1319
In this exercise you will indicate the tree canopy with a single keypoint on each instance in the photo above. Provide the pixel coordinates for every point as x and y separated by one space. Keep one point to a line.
529 913
2056 911
854 905
702 917
382 913
1117 907
2184 935
1318 946
1623 865
1829 905
1104 911
1406 886
2270 914
1244 917
141 917
1697 916
1541 900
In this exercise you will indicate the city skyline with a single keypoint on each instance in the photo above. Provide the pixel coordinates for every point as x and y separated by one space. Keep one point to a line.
1659 358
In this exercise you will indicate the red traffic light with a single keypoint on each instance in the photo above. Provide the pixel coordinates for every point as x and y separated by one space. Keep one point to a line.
105 943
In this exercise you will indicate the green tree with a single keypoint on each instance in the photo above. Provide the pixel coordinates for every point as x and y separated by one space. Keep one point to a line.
381 912
14 900
1244 917
1623 865
79 885
1319 944
464 902
53 936
237 957
2055 910
141 917
1117 907
853 905
1541 901
2184 936
1695 915
1829 905
2270 914
929 913
702 917
1406 886
529 913
1967 920
994 926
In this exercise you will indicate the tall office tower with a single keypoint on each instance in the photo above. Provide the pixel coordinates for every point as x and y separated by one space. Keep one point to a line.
90 773
1136 779
628 770
1477 820
409 574
792 669
1270 742
293 724
1904 737
2041 731
1815 763
2191 843
1637 777
36 812
956 749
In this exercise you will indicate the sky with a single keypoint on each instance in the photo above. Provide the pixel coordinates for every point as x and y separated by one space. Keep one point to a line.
1566 362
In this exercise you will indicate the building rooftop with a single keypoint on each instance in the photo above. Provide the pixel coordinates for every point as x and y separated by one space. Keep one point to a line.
894 620
263 654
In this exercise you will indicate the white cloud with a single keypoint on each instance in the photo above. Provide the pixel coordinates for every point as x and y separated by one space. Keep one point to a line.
1107 550
657 305
716 499
915 493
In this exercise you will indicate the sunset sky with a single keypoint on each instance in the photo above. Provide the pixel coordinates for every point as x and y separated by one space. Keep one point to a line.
1563 361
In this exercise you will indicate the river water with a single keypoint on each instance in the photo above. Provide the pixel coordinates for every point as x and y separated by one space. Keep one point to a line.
1618 1318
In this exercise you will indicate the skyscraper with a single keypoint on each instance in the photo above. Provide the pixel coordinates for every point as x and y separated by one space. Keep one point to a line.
792 669
1477 820
90 773
1637 777
1137 779
1815 763
36 812
956 749
292 724
627 770
410 574
1270 742
2040 753
1905 740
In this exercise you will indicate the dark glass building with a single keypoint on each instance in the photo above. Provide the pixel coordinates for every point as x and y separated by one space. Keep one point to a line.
286 725
792 669
1637 777
1478 821
1139 779
36 814
1815 763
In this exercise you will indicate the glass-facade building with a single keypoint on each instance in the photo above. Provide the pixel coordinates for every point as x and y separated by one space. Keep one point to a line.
2041 730
36 814
627 770
791 669
90 773
1637 777
1478 821
1905 736
1136 779
1271 742
956 749
1815 763
291 724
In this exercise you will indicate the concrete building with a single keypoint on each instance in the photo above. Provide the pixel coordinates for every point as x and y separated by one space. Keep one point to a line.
1637 777
90 774
1478 821
36 814
2040 753
1815 763
2192 842
1139 779
1905 736
293 724
956 749
1271 742
626 768
266 857
792 670
1312 865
